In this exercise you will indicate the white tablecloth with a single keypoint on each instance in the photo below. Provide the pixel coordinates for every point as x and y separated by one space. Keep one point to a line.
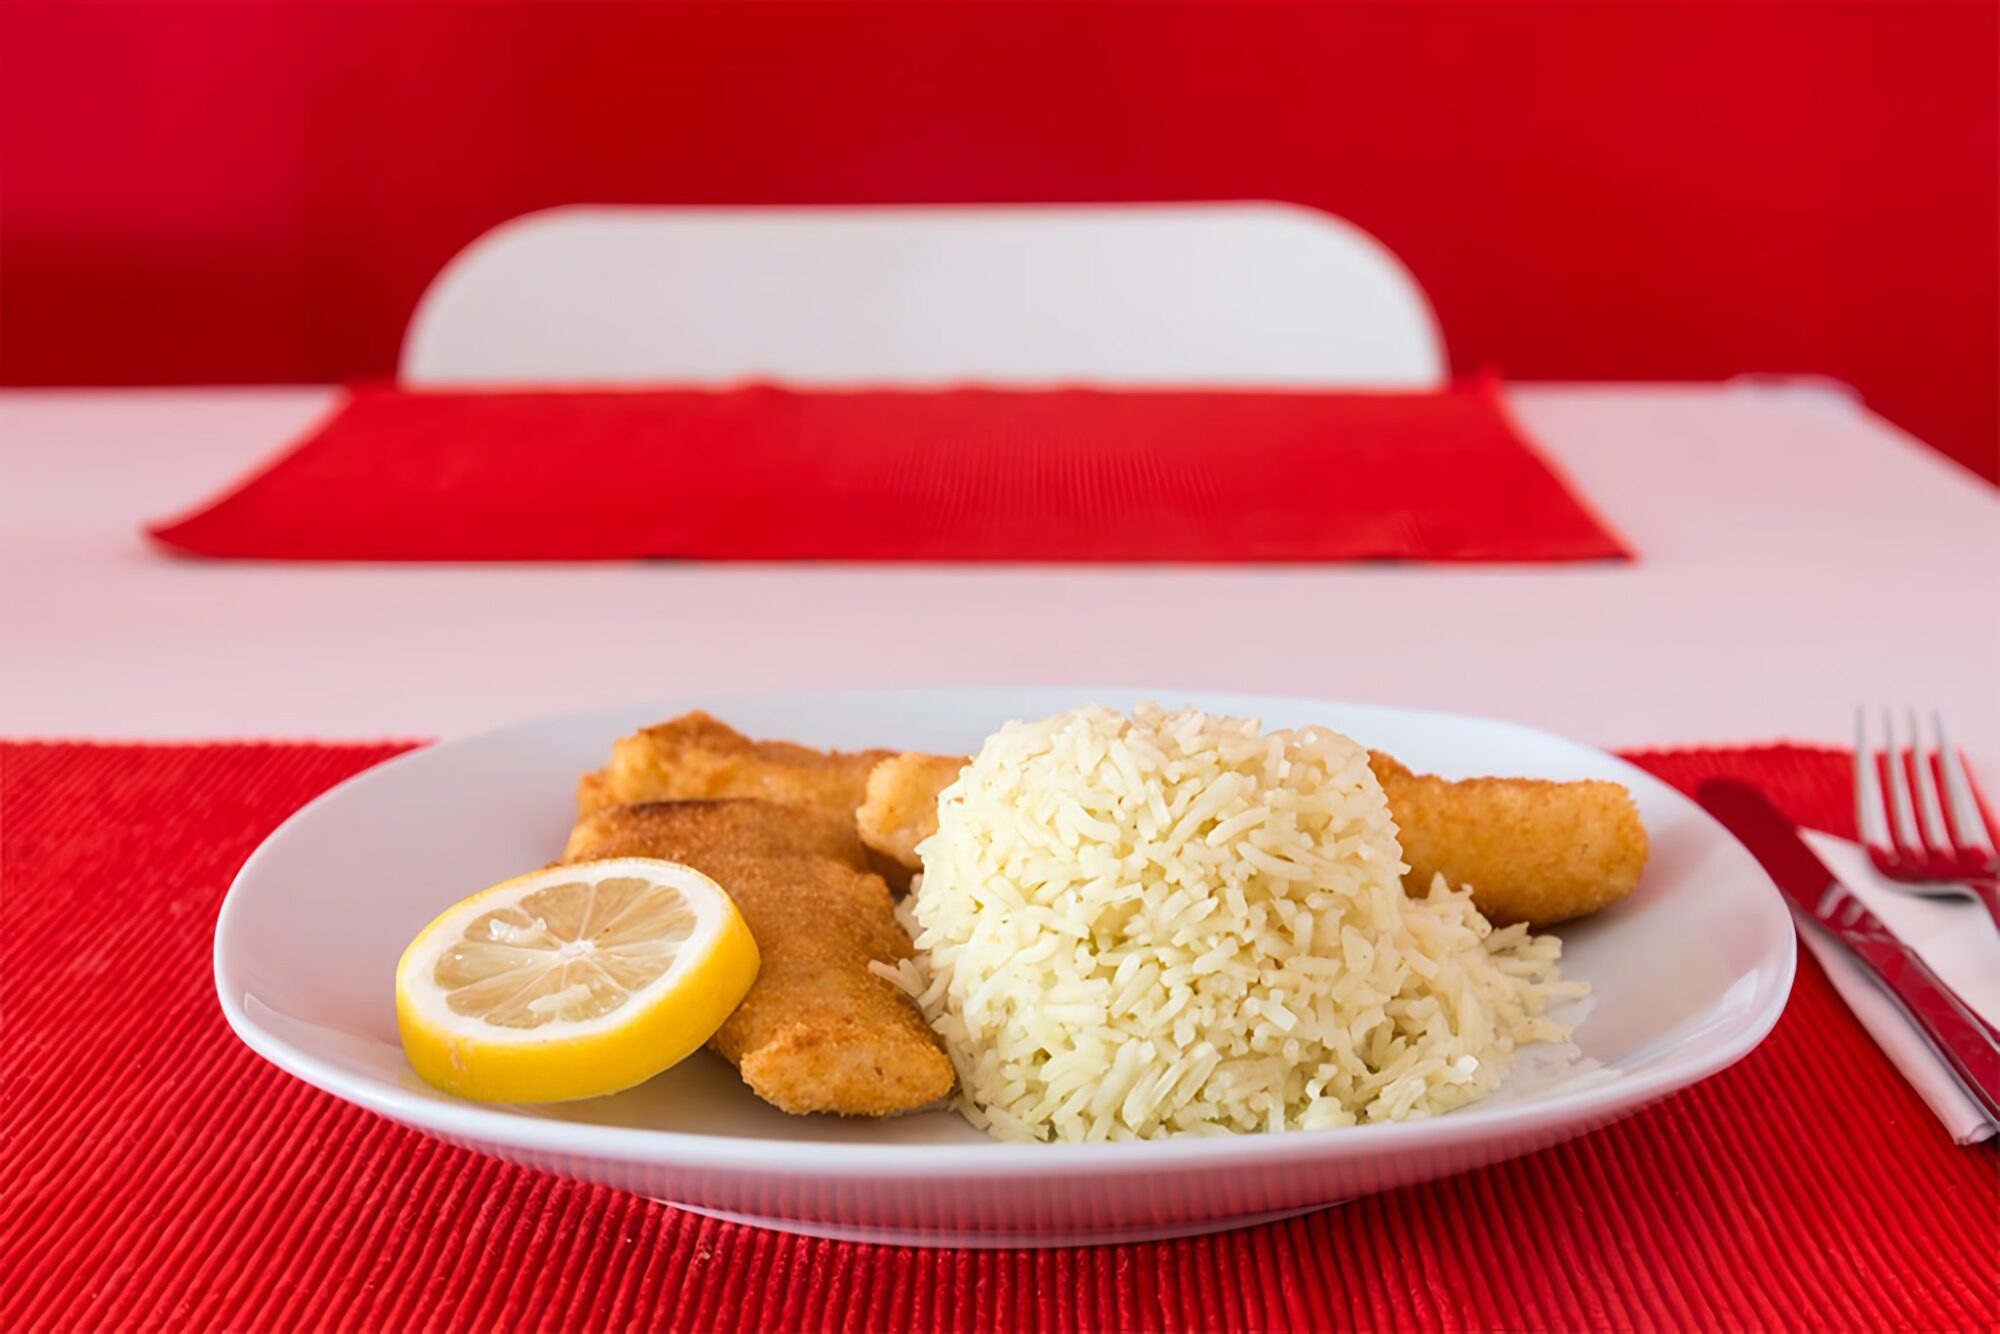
1797 556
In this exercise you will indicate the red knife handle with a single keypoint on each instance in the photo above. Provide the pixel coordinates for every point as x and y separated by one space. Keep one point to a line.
1966 1042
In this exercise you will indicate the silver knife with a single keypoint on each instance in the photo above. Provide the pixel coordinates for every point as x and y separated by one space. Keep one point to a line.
1963 1040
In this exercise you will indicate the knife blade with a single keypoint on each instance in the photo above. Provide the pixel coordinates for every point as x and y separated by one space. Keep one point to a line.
1965 1042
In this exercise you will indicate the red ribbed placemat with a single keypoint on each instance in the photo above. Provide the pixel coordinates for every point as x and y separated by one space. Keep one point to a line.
763 472
157 1173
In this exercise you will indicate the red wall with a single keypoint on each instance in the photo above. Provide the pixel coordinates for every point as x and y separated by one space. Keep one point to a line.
258 192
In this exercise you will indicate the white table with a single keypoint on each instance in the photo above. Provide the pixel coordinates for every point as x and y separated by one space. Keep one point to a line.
1797 556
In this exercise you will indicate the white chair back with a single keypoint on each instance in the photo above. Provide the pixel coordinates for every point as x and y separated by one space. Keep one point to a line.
1267 294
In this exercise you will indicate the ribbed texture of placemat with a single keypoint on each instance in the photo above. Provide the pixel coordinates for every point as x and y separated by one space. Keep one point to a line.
762 472
156 1173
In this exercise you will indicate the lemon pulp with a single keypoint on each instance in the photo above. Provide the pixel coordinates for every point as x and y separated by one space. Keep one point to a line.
572 982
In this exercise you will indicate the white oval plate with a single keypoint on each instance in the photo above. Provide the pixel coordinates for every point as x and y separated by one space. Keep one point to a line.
1687 975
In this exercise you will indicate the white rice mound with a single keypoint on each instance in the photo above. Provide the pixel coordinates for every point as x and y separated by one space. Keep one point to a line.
1175 923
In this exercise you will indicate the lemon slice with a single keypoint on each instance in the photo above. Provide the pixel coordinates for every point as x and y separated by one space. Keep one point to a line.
572 982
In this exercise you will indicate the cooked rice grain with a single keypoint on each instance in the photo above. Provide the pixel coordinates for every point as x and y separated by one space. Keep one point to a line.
1175 923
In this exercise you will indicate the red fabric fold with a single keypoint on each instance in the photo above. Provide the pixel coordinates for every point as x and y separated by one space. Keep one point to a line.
157 1173
761 472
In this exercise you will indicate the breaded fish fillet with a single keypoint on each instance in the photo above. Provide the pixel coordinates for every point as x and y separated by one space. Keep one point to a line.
818 1031
696 755
1533 851
901 806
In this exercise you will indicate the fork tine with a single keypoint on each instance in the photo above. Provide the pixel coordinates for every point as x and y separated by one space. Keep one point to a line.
1966 822
1931 825
1902 819
1869 821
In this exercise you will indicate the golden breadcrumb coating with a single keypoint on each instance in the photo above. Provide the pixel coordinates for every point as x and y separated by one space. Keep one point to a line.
901 806
696 755
818 1032
1533 850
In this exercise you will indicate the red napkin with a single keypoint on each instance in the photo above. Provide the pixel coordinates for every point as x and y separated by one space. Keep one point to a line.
767 473
156 1172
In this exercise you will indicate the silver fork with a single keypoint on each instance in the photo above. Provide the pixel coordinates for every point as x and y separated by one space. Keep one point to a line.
1936 842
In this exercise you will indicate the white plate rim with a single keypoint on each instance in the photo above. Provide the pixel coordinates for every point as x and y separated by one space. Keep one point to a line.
477 1123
